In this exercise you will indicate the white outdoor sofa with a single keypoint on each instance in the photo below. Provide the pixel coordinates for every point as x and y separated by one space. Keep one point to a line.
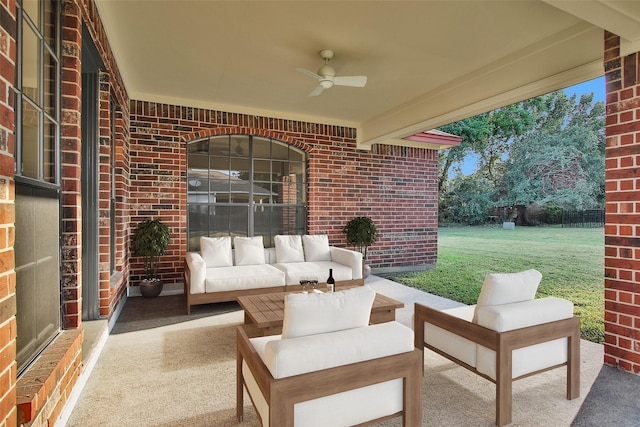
220 273
330 367
508 335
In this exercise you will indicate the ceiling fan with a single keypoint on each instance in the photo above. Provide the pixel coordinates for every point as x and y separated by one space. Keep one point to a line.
327 78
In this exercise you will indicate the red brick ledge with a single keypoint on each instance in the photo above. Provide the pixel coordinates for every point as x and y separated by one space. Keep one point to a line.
48 381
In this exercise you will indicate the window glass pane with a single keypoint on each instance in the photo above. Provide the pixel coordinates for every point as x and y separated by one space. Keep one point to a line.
239 146
262 170
198 147
238 220
262 223
31 9
240 180
279 150
299 170
279 169
219 221
198 225
49 150
262 193
30 137
30 63
219 146
50 17
288 220
296 155
261 148
50 65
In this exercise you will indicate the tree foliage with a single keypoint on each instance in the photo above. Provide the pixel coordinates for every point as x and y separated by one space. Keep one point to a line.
548 150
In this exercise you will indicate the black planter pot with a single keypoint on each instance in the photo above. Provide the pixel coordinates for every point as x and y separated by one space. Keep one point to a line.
150 288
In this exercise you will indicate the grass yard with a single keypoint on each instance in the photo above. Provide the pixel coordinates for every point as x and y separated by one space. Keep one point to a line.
571 261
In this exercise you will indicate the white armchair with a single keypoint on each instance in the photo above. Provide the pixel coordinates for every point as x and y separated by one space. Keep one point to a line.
508 335
329 367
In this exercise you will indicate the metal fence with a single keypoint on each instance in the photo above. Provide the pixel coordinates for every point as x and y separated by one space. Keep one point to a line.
587 218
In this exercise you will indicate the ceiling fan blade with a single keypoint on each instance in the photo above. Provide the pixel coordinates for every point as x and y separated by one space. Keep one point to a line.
355 81
308 73
317 91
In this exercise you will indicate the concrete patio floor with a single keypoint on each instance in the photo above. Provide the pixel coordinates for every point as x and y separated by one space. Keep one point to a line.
612 399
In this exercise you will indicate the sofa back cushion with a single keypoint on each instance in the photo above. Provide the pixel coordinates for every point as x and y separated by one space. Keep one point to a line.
507 288
249 250
316 247
216 251
289 248
318 313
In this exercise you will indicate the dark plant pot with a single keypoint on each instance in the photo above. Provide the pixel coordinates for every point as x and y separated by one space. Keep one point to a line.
366 271
150 288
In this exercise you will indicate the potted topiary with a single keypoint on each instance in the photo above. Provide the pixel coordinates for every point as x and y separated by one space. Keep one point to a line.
361 233
150 241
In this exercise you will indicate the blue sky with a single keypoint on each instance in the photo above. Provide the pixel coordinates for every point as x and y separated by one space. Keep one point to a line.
595 86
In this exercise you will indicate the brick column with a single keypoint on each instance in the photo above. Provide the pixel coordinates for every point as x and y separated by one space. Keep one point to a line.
70 156
622 218
8 366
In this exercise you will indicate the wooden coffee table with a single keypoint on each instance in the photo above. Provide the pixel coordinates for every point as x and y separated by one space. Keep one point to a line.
266 311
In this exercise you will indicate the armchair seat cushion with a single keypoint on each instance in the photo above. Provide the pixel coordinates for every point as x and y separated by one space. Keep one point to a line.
508 317
295 356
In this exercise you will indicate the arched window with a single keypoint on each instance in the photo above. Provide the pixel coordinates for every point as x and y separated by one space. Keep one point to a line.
245 185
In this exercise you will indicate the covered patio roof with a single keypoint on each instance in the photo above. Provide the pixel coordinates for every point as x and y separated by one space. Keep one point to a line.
428 63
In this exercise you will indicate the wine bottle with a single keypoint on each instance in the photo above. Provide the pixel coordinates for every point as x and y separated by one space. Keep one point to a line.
331 283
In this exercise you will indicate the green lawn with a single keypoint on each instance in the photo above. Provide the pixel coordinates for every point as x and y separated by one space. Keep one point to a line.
571 261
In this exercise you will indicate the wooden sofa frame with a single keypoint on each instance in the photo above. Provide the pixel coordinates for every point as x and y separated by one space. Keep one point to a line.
503 343
282 394
225 296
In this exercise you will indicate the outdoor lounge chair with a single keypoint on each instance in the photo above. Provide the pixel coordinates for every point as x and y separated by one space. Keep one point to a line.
508 335
329 366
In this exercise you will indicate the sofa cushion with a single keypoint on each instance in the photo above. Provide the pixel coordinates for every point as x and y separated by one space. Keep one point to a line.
317 313
241 277
249 250
216 251
507 288
450 343
289 249
316 247
319 270
518 315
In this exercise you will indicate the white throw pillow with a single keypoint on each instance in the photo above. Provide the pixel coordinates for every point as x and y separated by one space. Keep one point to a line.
289 249
319 313
249 250
216 251
507 288
316 247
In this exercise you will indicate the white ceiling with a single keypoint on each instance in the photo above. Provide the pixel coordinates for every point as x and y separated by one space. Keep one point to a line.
428 63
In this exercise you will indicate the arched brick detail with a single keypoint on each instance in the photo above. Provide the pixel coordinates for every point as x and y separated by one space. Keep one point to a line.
205 133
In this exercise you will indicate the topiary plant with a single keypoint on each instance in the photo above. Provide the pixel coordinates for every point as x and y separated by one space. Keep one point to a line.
150 241
361 233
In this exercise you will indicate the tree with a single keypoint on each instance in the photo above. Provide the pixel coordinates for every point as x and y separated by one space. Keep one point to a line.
549 149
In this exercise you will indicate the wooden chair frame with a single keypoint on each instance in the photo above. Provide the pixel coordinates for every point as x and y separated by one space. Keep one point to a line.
503 343
282 394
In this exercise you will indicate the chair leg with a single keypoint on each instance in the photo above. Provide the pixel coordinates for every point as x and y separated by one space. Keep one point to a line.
503 386
573 365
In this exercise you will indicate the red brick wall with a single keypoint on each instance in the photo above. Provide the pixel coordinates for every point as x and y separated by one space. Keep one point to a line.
392 185
622 228
8 364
